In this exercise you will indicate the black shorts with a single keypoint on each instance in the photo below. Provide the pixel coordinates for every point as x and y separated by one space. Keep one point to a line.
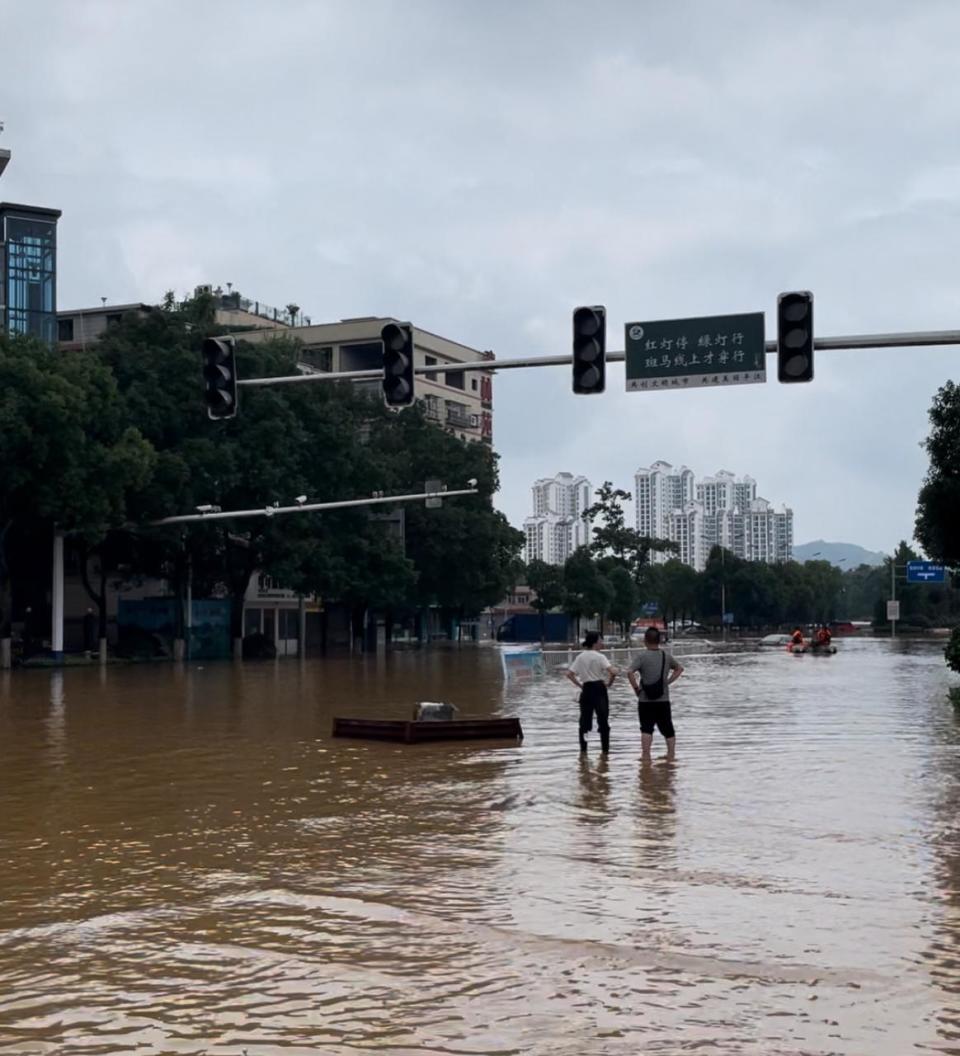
655 713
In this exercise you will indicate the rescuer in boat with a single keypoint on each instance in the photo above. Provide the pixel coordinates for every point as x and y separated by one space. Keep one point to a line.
797 637
824 637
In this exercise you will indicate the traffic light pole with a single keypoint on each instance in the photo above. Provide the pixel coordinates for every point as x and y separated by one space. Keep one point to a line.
312 507
910 339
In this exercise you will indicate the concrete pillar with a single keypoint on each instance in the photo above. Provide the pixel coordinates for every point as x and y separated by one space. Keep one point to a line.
103 650
56 630
6 654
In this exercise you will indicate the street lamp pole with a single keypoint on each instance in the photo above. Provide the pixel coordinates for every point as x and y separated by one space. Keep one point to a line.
893 593
723 596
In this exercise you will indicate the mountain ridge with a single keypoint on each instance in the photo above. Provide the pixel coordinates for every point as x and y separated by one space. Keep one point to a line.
844 555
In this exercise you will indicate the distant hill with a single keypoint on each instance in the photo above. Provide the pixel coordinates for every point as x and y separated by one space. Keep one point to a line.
836 552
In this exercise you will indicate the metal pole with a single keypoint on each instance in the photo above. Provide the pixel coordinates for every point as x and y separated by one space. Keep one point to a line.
893 593
56 631
915 339
276 511
188 623
723 596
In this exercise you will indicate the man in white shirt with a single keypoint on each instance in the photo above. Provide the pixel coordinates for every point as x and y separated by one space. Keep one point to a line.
592 673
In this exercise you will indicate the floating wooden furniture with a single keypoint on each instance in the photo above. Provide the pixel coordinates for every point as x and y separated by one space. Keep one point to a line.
417 732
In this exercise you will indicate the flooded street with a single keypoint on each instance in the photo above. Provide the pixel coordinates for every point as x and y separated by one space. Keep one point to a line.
190 864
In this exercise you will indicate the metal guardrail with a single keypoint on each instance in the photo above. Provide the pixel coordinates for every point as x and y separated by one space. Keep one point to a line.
619 655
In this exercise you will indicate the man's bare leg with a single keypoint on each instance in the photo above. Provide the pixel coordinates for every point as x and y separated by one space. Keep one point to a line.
671 748
646 743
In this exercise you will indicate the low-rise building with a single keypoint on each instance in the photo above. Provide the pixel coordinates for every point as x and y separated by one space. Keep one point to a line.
79 327
459 401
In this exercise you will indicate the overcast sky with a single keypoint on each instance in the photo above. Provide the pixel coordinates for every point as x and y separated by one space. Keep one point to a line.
482 167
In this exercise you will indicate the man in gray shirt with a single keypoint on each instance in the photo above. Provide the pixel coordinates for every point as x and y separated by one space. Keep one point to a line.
651 675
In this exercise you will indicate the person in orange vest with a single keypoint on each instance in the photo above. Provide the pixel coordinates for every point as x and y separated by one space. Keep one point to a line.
823 636
797 638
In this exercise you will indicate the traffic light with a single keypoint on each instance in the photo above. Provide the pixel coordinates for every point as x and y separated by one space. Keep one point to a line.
589 349
795 336
397 364
220 377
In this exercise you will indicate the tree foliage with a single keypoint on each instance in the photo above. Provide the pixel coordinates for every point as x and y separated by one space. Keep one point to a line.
117 437
547 583
69 454
938 507
613 539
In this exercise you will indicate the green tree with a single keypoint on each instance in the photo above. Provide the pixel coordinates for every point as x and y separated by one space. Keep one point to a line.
329 441
613 539
547 582
938 507
677 589
68 455
587 589
623 601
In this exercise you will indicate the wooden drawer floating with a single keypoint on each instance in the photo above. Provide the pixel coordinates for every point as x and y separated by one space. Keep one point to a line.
408 732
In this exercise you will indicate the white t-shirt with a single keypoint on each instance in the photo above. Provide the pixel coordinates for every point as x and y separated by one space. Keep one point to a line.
591 666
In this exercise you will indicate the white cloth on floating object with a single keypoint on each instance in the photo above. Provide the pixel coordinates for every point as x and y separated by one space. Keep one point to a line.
432 711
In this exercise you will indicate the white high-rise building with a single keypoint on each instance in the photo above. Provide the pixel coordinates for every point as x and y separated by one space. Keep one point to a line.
658 491
557 526
714 511
687 528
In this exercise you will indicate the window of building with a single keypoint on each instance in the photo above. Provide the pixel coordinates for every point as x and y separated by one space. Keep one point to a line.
318 358
367 355
430 361
31 277
114 319
455 379
474 384
251 621
64 329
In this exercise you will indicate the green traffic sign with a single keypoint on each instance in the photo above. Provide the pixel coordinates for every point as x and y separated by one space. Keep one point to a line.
696 353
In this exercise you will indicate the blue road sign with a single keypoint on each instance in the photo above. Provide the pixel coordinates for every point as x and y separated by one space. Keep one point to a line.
728 618
650 608
925 572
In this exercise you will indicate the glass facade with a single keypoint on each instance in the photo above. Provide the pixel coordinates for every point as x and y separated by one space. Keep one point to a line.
29 271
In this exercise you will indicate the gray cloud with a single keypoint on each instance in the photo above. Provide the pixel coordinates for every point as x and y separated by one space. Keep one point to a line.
482 168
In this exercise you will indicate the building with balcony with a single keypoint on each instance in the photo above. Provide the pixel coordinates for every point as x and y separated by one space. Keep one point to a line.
557 526
698 514
459 401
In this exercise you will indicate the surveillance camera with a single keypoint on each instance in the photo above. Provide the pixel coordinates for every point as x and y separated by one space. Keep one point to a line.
472 482
301 499
269 511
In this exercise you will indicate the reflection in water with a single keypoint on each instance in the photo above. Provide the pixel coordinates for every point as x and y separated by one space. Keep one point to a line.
191 864
594 778
943 956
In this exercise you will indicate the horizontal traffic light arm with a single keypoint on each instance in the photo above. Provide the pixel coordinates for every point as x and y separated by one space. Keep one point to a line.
310 507
917 338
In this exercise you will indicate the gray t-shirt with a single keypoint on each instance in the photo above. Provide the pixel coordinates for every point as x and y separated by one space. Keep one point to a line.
648 664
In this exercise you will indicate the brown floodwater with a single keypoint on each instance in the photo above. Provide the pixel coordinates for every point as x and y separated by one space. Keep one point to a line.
190 864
